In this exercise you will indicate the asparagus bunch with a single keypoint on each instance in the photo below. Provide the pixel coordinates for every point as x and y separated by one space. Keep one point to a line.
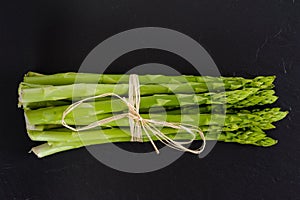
197 100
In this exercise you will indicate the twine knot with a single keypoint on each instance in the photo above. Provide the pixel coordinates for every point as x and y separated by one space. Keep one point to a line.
137 124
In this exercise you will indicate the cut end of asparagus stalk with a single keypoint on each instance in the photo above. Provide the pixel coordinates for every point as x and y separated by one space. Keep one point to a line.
46 149
39 150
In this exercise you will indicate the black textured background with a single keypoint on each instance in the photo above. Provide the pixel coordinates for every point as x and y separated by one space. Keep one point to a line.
245 38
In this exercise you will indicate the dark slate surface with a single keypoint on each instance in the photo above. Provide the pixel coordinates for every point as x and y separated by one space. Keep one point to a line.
245 38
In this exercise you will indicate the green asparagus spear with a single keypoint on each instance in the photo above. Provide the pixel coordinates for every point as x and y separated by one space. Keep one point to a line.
259 118
116 105
51 93
90 110
254 136
263 82
262 97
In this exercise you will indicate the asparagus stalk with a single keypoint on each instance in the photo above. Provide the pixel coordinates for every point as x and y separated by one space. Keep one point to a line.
116 105
262 119
52 93
263 82
91 109
32 92
66 135
29 92
262 97
254 136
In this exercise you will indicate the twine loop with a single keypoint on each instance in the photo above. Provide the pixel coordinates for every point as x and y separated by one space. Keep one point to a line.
137 124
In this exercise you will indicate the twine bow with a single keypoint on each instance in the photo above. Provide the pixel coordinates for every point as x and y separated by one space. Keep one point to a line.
139 124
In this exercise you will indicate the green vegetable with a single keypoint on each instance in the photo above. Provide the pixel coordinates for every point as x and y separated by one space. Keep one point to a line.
234 115
54 114
254 136
259 118
263 82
